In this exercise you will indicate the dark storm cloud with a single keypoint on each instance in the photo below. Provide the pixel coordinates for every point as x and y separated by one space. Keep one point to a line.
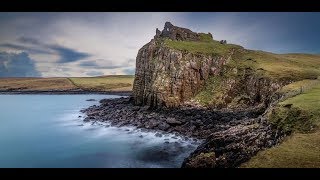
68 54
17 65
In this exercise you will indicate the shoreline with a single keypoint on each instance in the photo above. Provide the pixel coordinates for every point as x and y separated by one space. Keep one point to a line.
120 93
231 137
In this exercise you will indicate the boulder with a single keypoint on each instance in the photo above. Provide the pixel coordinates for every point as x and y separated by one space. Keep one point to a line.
223 42
163 126
173 121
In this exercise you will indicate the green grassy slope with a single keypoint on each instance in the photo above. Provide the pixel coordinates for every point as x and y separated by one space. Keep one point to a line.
302 148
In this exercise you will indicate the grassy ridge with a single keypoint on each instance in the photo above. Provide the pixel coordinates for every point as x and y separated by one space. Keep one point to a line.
103 83
206 46
302 148
294 67
287 66
297 151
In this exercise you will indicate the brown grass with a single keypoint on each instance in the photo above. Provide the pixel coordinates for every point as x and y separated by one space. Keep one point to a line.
104 83
35 84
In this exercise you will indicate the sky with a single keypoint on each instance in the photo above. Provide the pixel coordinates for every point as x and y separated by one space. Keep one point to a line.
61 44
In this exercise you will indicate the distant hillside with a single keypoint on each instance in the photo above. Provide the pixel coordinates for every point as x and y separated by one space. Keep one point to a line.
106 83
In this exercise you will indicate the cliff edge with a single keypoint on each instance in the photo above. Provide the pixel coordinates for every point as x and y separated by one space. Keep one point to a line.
179 66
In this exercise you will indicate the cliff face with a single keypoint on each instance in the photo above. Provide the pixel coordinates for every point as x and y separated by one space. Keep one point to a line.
167 76
238 87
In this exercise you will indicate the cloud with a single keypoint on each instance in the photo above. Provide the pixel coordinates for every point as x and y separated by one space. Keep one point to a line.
104 64
68 54
29 40
95 73
111 37
112 67
25 48
131 60
17 65
88 64
111 40
129 71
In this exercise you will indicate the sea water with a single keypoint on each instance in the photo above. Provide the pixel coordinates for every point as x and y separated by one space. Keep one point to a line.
48 131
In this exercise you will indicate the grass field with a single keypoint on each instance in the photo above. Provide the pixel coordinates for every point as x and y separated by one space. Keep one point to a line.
297 151
40 84
105 83
205 46
295 67
302 148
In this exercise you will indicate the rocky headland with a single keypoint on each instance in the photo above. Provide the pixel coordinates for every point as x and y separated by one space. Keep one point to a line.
190 84
233 136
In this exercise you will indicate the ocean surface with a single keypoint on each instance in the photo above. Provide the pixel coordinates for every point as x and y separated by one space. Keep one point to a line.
47 131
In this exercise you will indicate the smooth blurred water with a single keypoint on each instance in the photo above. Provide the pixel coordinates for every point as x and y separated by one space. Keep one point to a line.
46 131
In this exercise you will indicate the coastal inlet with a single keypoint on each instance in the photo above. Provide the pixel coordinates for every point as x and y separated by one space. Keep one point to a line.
48 131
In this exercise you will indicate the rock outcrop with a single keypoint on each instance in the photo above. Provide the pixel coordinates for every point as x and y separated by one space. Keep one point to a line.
231 137
177 33
168 77
232 147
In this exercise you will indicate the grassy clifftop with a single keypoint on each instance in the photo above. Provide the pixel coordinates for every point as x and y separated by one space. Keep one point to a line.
281 68
302 118
206 46
288 66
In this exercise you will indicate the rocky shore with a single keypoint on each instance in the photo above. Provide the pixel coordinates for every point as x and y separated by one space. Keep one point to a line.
231 137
